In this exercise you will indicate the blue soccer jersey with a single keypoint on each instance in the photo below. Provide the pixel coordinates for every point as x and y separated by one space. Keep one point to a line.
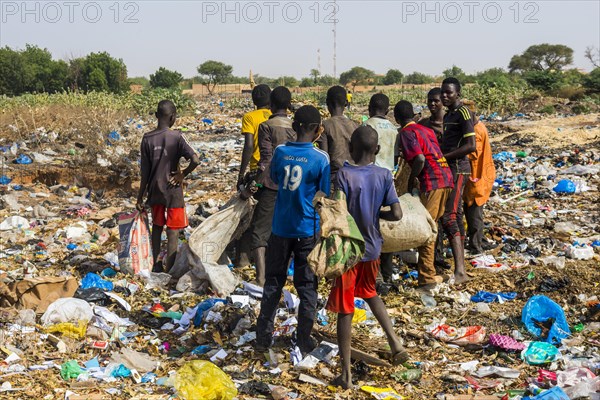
299 170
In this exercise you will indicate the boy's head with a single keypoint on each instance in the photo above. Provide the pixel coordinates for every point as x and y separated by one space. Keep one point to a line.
166 112
434 100
336 98
403 112
450 91
364 142
379 105
260 95
281 99
307 123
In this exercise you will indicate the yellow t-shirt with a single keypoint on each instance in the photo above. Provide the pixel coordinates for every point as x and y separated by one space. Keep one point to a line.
250 124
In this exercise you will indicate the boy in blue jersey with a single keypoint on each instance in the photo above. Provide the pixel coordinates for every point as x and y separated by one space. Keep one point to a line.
300 170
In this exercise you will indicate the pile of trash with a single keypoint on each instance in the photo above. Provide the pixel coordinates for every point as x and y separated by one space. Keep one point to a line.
82 316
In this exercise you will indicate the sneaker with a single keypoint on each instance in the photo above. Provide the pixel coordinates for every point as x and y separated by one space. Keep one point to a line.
488 245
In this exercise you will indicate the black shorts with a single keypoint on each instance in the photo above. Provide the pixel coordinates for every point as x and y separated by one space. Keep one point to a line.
262 220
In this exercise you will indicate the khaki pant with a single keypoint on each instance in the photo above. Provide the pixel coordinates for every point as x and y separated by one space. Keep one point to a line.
434 202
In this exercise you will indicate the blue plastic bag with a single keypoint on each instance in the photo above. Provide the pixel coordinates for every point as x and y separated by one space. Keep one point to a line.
121 372
540 308
539 353
565 186
92 280
5 180
504 156
23 159
203 307
488 297
556 393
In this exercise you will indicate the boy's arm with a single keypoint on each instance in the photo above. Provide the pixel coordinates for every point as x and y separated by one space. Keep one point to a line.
265 146
415 170
145 173
246 156
186 151
274 167
391 199
468 138
325 179
394 214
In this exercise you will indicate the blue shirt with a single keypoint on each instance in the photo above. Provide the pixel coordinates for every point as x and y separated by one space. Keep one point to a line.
367 189
299 170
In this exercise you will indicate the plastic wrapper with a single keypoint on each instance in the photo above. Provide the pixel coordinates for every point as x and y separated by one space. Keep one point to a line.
68 329
91 280
135 249
463 335
539 353
204 380
70 370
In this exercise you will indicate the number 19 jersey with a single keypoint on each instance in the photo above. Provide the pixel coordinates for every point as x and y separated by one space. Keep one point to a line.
300 170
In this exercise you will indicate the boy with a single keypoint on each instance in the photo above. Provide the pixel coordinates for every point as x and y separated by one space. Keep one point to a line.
250 123
367 188
422 152
458 140
271 133
337 130
162 180
300 170
379 106
478 188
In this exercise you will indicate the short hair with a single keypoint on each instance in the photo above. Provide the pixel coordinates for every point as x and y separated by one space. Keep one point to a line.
452 81
165 108
260 95
403 110
436 91
281 98
379 102
365 138
336 95
307 115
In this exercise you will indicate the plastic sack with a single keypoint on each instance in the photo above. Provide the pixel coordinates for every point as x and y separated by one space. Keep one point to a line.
565 186
70 370
204 380
67 309
219 277
415 229
135 249
539 353
341 245
539 310
467 335
68 329
487 297
92 280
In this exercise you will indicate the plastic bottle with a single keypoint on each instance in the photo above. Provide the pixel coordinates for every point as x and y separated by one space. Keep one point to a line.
410 375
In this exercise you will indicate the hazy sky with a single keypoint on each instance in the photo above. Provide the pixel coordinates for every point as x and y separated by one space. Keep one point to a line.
275 38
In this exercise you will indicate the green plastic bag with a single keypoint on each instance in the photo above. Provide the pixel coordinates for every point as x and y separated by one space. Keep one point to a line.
204 380
70 370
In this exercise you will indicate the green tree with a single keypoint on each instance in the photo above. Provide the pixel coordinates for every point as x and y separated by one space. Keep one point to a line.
96 81
114 70
497 77
164 78
455 72
392 77
542 57
418 78
214 73
287 81
11 72
139 80
356 76
307 82
592 81
75 78
314 73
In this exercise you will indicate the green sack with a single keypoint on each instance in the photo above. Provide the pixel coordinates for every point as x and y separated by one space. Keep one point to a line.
341 245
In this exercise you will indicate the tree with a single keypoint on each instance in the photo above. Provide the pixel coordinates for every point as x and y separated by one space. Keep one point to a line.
592 81
455 72
307 82
593 55
164 78
114 70
417 78
11 72
139 80
542 57
314 73
497 77
392 77
214 73
288 81
356 76
75 75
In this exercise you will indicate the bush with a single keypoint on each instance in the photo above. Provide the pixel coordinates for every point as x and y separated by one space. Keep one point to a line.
592 81
570 92
547 110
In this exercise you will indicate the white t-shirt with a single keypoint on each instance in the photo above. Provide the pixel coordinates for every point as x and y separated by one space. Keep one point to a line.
387 140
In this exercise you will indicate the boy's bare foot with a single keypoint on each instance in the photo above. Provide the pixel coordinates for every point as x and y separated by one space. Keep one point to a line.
461 278
344 381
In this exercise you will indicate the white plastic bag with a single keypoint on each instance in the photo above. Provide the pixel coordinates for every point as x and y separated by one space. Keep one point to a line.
415 229
67 309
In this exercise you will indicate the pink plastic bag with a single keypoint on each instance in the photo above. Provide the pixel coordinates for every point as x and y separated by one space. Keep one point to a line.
135 248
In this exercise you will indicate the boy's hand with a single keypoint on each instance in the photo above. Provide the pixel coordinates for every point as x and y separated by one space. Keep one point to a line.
140 205
176 179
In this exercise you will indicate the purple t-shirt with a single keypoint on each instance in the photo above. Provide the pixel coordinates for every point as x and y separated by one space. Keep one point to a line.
160 153
367 189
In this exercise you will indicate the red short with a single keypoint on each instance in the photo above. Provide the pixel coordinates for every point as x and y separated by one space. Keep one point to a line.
173 218
357 282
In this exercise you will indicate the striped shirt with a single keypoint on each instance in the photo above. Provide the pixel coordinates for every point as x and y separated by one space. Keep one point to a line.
417 139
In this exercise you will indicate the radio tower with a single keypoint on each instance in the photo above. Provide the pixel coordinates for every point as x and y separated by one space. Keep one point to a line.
335 41
319 61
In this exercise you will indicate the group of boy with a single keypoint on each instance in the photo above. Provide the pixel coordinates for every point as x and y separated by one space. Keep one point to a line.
291 161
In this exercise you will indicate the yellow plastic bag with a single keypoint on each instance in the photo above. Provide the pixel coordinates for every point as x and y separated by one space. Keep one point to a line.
68 329
204 380
382 393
